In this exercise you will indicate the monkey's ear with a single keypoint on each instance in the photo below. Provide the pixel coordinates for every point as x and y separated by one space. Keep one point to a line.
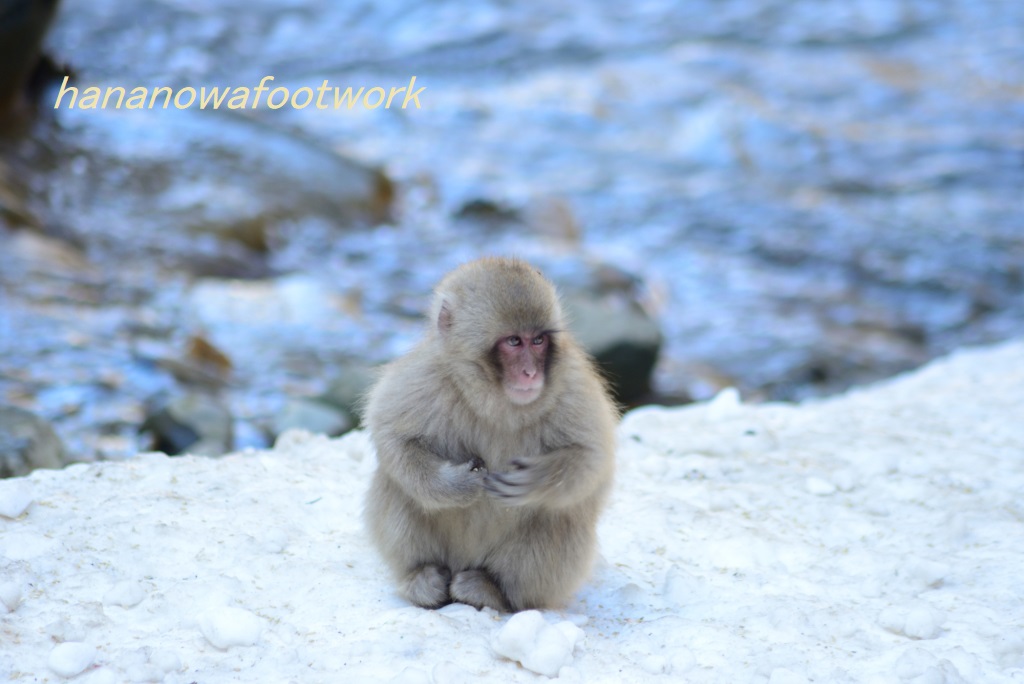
444 318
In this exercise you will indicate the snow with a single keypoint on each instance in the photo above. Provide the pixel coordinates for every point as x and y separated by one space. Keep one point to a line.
10 595
226 627
125 594
540 647
14 499
71 658
873 537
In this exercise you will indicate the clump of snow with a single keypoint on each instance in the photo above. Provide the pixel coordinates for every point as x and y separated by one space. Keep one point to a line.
126 594
874 536
15 497
71 658
150 665
543 648
10 595
919 621
816 485
226 627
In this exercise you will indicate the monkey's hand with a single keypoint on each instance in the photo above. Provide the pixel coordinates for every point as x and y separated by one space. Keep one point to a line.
460 484
522 485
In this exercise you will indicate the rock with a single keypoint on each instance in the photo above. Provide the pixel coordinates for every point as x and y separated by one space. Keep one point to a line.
623 339
34 254
27 442
487 215
215 191
14 209
23 23
348 390
202 363
313 416
196 423
206 354
553 216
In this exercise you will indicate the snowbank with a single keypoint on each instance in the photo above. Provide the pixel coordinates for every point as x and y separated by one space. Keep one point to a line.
877 536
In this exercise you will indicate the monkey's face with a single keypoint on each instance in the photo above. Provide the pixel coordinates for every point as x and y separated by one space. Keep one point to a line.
522 358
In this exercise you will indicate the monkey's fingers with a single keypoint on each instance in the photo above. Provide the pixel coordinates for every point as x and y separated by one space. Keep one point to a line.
507 487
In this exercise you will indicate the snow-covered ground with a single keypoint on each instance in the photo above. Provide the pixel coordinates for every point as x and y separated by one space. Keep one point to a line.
874 537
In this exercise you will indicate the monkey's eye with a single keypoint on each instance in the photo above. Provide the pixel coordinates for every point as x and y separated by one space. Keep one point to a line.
514 341
539 340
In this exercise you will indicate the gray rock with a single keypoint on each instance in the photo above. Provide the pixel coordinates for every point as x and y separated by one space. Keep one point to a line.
214 193
194 423
348 390
313 416
27 442
621 336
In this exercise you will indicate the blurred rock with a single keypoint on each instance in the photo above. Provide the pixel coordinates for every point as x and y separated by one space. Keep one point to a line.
194 423
37 254
209 191
14 209
23 23
202 364
348 390
548 216
554 217
27 442
487 215
623 339
203 352
313 416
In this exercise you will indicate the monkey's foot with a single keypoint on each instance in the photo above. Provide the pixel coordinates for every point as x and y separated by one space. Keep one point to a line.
475 588
427 587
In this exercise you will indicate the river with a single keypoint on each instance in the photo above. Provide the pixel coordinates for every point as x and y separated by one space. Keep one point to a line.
805 195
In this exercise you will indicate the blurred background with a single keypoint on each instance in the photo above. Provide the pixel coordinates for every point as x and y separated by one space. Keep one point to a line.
786 196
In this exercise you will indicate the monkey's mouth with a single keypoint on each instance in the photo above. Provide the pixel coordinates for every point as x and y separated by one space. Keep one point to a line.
523 395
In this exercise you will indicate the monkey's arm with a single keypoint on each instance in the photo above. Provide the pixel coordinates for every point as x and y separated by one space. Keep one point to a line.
433 481
556 479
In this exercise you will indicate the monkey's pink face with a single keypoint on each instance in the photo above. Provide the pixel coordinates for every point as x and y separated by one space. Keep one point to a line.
522 360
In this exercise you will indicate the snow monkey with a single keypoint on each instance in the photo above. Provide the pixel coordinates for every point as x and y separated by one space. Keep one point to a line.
495 446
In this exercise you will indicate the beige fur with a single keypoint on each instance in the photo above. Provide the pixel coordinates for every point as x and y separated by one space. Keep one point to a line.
477 499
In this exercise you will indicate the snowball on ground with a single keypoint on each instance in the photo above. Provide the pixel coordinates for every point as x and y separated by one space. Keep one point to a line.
71 658
876 536
226 627
540 647
15 497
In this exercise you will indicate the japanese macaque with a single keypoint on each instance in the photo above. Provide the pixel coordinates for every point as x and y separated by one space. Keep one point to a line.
495 446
